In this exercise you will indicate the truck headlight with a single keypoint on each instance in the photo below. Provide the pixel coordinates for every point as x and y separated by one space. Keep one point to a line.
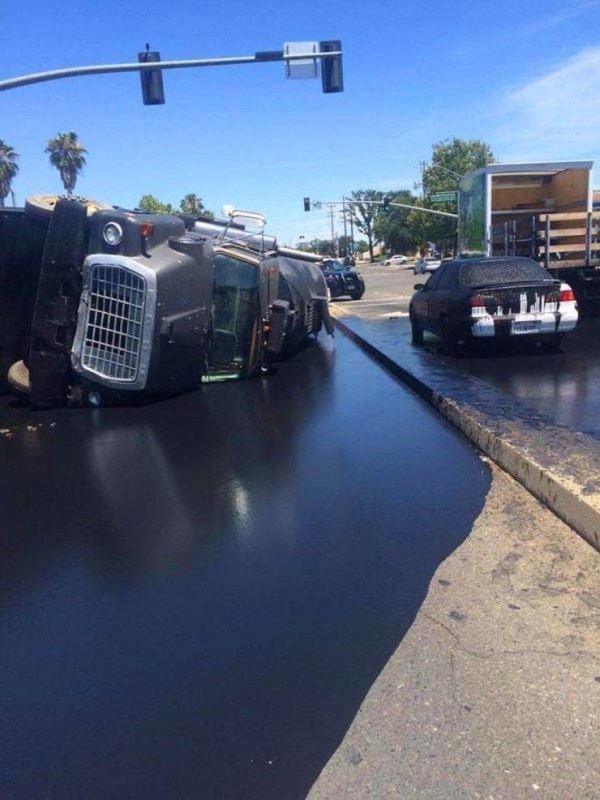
112 233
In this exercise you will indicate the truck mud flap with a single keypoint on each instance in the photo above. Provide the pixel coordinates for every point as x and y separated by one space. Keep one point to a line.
55 314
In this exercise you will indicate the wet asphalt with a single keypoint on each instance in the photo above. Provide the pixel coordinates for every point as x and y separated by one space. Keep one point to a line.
563 386
196 596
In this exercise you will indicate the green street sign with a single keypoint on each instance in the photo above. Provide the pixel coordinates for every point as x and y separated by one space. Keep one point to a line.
443 197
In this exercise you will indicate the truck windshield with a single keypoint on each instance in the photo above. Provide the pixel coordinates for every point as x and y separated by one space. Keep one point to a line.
235 313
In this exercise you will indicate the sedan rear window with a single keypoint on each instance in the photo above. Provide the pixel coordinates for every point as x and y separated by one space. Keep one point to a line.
521 270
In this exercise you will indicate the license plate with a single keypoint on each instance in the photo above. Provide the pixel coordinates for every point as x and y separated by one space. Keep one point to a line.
525 327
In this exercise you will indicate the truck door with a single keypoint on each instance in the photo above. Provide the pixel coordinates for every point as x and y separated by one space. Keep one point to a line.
235 318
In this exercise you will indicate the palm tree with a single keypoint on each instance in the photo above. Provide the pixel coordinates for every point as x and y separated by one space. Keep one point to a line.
8 169
66 154
192 204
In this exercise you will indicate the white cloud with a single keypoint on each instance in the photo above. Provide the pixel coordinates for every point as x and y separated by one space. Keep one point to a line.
556 116
566 14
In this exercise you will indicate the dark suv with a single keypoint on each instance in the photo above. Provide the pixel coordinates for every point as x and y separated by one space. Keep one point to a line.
342 280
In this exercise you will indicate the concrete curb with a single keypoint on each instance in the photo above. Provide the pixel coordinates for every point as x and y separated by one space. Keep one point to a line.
560 467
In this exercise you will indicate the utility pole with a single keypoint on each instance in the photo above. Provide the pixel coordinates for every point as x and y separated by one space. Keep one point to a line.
331 213
422 166
351 229
345 225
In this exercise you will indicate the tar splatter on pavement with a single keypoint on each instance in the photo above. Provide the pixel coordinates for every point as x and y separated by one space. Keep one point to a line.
197 595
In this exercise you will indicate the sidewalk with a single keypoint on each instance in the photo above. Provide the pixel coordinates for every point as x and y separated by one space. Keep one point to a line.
493 694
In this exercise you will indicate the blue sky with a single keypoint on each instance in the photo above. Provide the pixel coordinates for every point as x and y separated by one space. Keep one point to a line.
524 76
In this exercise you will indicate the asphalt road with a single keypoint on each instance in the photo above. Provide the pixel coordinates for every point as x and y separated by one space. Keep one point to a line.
196 596
564 386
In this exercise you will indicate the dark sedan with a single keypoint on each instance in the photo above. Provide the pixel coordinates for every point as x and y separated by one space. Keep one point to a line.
341 280
492 298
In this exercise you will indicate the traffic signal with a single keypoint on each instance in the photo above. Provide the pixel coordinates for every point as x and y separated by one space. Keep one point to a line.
307 203
386 203
152 82
332 77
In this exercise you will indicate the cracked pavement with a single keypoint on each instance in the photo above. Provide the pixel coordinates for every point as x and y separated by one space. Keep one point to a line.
494 691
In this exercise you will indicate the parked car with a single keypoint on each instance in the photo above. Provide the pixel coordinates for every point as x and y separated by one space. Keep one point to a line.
427 264
493 298
342 280
389 262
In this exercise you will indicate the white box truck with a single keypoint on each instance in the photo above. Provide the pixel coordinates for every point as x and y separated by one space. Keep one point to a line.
541 210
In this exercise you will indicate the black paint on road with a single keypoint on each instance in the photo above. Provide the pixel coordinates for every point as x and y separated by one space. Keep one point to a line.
197 595
564 386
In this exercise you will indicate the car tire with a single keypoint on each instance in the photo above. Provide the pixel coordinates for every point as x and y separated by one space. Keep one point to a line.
449 338
356 295
416 329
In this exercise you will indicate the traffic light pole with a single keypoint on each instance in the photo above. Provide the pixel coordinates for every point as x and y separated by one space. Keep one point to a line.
102 69
347 201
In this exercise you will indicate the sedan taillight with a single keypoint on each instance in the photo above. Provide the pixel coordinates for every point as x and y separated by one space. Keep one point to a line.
482 300
567 295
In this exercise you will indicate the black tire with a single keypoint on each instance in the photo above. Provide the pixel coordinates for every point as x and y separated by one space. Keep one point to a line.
449 337
42 205
416 329
356 295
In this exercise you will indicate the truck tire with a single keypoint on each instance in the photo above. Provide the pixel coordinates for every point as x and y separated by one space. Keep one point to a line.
42 205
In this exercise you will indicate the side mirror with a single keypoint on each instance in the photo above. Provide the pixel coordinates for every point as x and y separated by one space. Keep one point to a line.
418 287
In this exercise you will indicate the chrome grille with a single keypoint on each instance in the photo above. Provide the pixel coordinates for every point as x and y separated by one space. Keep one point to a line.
114 326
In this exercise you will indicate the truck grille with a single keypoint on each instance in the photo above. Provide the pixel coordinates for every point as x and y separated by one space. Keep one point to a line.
112 341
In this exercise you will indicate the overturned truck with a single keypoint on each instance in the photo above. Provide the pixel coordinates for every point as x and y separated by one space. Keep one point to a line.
105 306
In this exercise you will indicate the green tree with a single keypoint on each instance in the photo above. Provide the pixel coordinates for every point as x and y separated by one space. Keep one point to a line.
453 158
450 160
8 169
323 247
67 155
365 215
393 228
151 205
192 204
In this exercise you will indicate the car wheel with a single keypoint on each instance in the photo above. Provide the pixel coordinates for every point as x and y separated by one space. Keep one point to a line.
356 295
416 329
449 337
